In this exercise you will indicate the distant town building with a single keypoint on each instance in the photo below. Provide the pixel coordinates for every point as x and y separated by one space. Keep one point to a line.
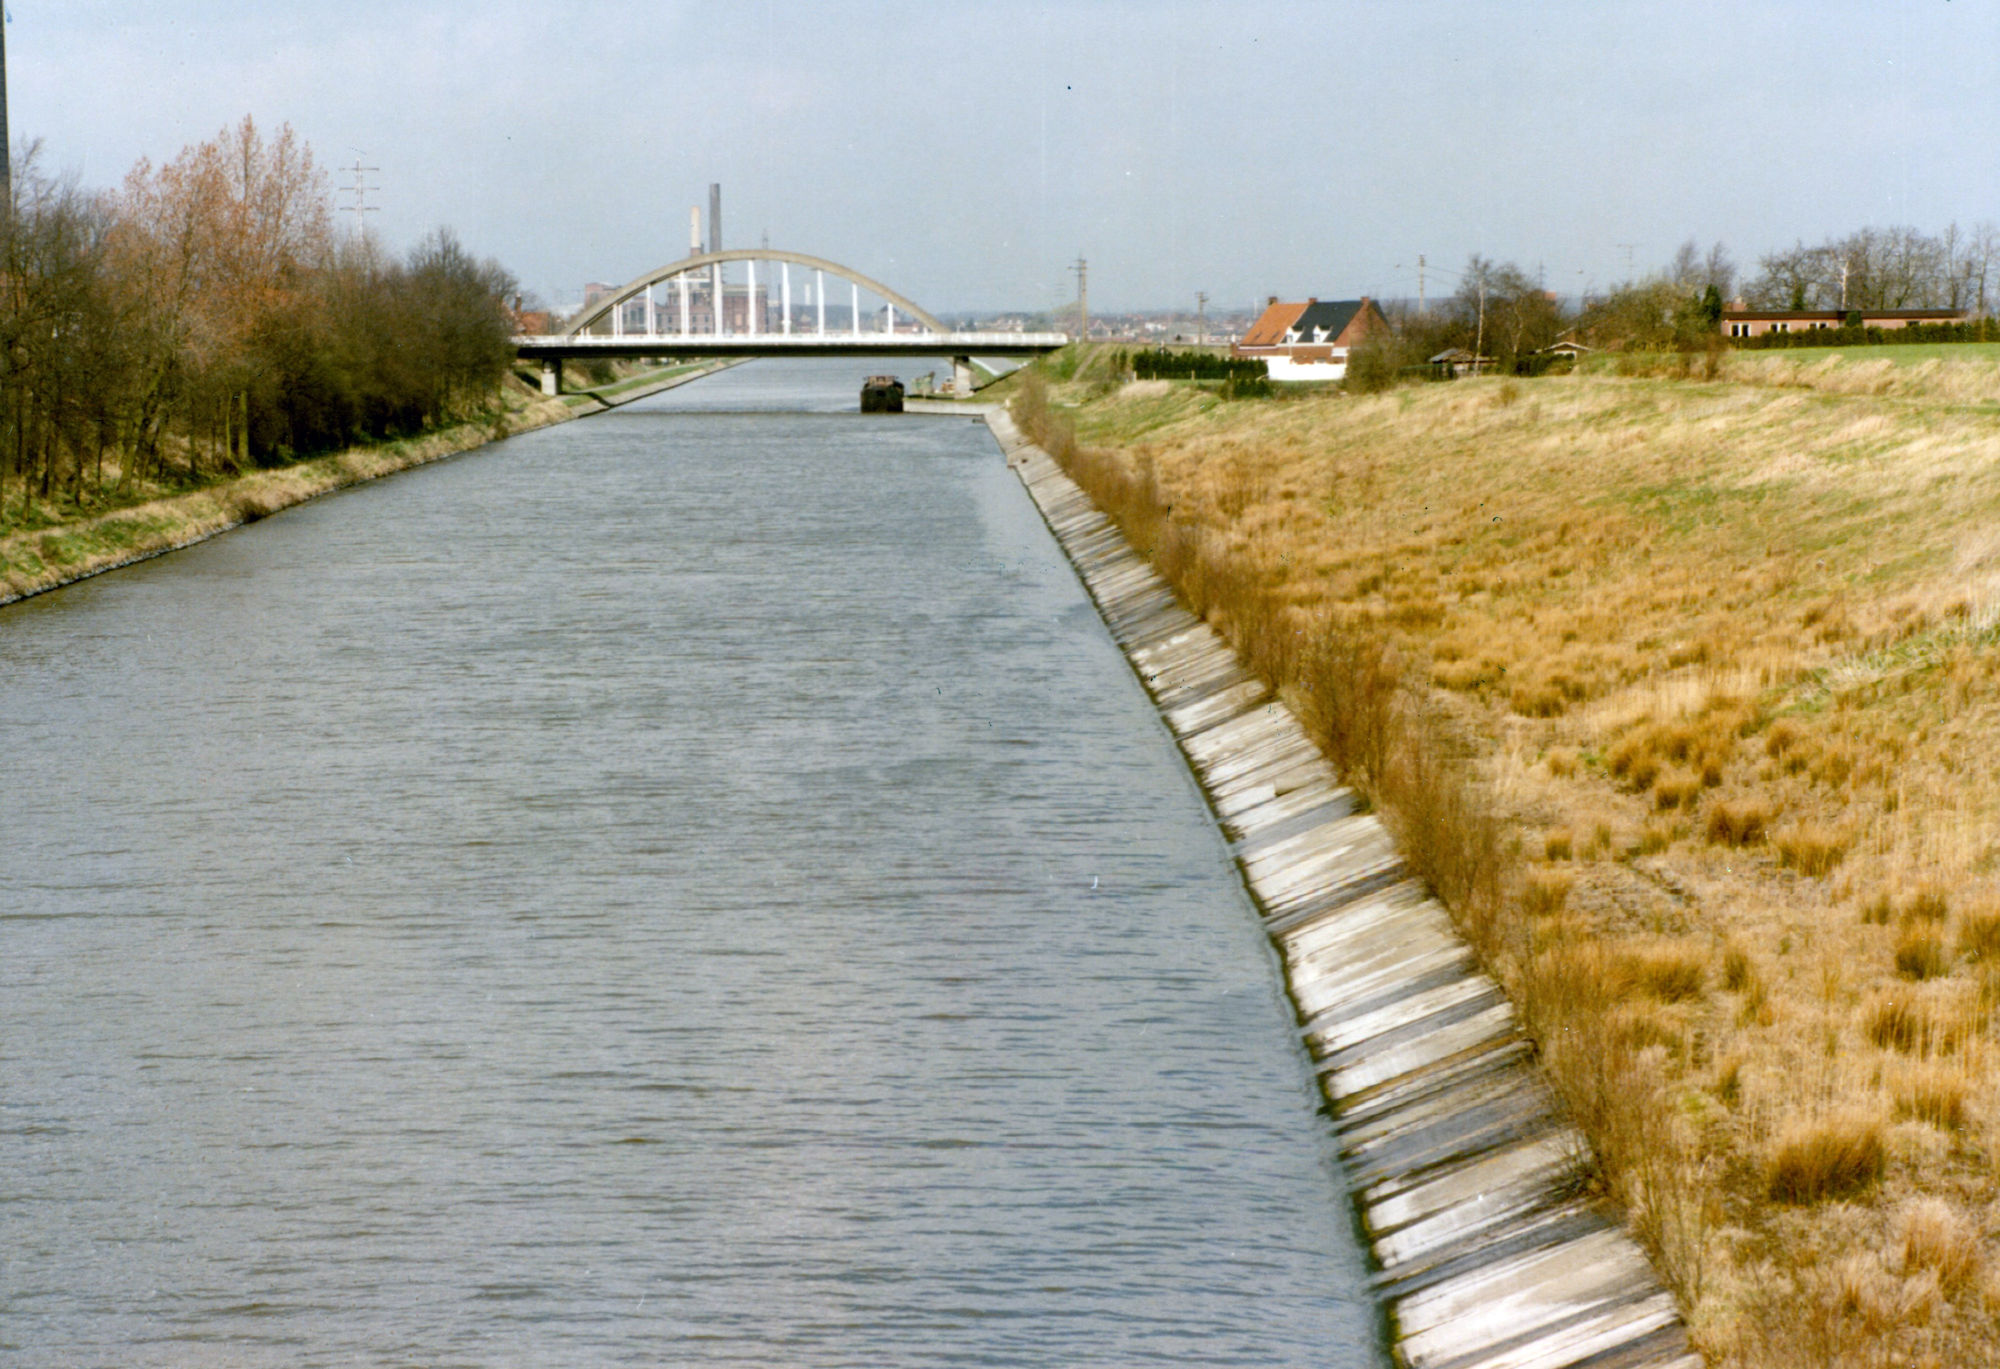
1309 341
1739 322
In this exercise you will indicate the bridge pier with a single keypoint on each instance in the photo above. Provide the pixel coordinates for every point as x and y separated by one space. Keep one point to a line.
551 375
962 381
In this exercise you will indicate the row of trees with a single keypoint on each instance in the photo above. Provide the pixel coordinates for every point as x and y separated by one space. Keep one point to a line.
1883 268
206 315
1502 312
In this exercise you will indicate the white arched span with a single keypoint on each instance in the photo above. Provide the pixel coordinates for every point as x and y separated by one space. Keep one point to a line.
602 309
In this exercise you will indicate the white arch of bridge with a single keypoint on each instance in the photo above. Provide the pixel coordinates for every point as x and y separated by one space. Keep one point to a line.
702 262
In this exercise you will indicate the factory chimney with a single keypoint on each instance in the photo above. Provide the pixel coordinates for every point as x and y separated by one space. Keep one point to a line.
715 216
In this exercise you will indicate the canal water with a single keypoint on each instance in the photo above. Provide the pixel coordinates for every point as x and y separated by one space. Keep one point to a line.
685 887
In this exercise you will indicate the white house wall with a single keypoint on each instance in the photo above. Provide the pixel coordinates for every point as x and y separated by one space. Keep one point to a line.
1285 369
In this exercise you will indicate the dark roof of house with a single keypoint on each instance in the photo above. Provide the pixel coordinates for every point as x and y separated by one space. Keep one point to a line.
1332 315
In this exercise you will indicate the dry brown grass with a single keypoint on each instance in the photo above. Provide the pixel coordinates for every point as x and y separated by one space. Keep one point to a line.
1669 970
1934 1236
1741 823
1832 1157
1933 1092
1686 697
1979 932
1920 953
1544 891
1811 848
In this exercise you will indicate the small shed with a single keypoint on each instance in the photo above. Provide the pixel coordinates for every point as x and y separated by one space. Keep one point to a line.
1454 362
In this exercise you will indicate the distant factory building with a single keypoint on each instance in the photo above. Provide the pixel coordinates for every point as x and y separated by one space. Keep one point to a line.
1309 341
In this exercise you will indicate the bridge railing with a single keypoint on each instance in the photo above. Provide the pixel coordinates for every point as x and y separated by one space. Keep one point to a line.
961 342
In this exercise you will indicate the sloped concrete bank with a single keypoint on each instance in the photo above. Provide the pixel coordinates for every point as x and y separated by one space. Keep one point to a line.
1464 1175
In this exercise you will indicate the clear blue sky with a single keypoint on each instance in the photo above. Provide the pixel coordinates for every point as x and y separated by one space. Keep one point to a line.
967 153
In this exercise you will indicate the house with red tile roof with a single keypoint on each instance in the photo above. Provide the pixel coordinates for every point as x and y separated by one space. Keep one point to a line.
1310 341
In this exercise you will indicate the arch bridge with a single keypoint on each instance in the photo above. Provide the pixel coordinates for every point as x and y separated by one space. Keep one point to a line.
691 307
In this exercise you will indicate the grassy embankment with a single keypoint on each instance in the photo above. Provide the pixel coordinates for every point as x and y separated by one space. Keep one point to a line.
1685 695
48 543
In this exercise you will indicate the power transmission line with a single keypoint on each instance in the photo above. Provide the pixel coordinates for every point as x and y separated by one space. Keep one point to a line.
360 190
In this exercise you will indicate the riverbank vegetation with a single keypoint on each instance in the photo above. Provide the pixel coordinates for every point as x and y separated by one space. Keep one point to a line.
1681 687
205 319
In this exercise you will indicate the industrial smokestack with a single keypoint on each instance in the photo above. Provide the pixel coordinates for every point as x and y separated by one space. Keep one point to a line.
694 231
715 216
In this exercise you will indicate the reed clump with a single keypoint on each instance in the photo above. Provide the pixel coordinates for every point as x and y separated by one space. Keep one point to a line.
1832 1157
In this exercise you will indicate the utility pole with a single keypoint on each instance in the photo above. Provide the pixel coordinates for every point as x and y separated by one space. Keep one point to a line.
360 190
1201 317
1479 341
1082 269
1420 285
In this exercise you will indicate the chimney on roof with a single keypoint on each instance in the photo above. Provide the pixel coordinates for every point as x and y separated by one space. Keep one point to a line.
1271 301
1311 300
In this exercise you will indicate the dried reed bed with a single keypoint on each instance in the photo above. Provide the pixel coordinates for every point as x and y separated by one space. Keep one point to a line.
1684 694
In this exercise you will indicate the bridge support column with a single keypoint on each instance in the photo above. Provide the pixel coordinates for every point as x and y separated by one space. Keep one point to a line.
962 381
552 375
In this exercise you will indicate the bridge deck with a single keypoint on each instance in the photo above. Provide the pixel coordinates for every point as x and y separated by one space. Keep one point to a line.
552 347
